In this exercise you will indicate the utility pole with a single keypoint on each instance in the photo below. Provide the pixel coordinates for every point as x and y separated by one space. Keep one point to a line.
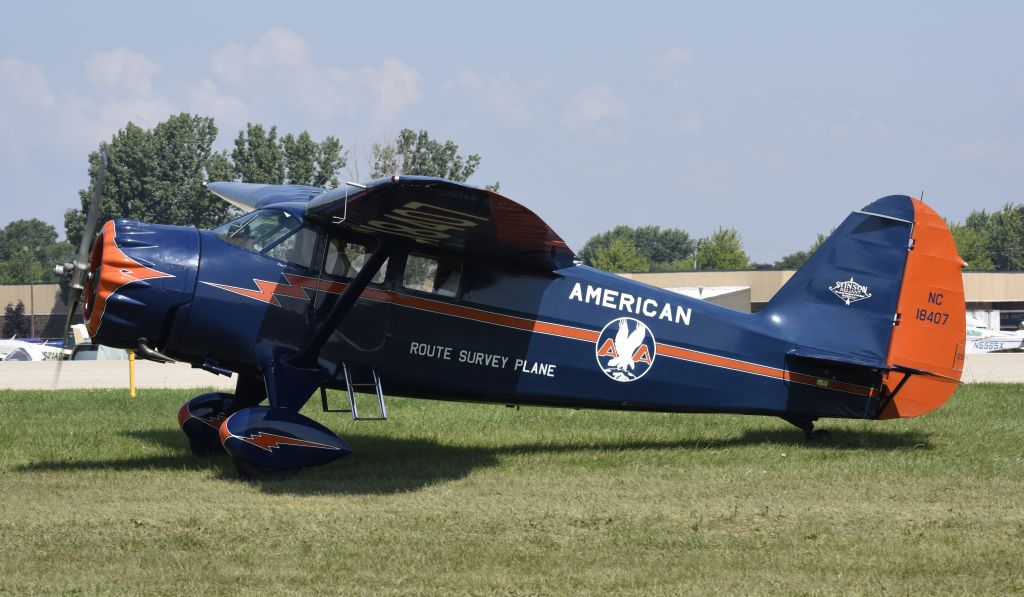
31 292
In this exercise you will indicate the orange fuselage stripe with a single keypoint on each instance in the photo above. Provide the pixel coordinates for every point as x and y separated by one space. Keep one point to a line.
296 285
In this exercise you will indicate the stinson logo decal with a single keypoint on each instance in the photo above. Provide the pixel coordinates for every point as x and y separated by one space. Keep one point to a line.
850 291
625 349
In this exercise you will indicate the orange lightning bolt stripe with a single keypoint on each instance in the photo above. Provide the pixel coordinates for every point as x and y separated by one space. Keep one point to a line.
267 291
269 441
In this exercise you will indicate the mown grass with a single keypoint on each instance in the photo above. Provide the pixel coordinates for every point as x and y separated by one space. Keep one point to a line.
100 494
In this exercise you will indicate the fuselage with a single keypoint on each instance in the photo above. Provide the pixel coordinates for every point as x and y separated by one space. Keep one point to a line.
447 326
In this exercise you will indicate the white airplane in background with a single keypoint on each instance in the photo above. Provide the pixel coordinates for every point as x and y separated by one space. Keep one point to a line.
20 350
13 349
982 339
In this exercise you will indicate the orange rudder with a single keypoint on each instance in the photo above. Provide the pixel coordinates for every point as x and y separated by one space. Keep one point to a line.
931 332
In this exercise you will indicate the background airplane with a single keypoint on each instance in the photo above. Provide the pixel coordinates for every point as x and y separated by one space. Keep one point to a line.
982 339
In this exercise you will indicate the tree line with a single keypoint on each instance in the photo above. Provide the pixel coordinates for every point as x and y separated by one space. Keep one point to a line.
986 241
158 175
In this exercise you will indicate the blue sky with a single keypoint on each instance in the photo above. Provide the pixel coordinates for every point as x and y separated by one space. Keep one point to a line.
775 118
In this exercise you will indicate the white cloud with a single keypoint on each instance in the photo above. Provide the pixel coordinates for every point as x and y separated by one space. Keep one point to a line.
122 72
595 104
35 117
124 90
278 55
23 83
498 94
26 107
385 92
278 68
228 111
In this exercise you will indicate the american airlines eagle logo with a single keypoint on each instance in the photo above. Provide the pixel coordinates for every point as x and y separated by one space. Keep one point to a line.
625 349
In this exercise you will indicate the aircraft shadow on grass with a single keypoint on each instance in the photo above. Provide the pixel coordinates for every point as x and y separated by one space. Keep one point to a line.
384 465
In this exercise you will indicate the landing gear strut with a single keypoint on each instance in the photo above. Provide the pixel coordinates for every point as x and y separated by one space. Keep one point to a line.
806 424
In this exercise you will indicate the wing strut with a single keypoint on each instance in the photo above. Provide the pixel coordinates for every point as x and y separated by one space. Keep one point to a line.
307 355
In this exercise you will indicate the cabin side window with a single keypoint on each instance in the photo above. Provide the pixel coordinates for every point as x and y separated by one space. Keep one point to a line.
440 276
345 259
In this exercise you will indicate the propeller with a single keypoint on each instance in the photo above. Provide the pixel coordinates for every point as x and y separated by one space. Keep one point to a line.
78 271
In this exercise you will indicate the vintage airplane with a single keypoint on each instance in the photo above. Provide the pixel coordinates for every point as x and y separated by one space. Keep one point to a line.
433 289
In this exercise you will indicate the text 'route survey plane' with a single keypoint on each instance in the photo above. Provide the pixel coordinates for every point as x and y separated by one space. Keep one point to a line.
432 289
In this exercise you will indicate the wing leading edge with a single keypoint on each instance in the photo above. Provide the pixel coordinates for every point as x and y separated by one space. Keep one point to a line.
432 212
250 196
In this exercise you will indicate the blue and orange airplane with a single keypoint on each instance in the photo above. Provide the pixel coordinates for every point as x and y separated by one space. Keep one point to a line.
433 289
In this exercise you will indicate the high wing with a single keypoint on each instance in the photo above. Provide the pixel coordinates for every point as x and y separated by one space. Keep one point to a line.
433 212
250 196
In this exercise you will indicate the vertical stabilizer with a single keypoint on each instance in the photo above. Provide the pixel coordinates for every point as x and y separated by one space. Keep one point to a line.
884 291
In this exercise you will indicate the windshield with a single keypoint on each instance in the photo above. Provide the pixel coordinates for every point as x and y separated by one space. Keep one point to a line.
258 230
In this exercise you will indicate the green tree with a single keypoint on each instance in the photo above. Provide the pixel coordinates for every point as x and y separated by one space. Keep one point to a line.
796 260
417 154
16 322
668 249
1005 238
972 240
181 149
722 250
220 168
311 163
620 255
155 176
28 251
258 156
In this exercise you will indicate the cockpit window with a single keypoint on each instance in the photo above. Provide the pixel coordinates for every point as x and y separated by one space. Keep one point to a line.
258 230
297 249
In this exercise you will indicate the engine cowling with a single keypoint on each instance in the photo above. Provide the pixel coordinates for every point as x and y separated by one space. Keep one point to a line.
140 277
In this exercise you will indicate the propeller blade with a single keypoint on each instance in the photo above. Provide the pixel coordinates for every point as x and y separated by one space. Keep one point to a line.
89 232
72 307
79 270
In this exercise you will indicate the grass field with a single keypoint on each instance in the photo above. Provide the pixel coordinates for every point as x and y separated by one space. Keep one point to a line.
100 494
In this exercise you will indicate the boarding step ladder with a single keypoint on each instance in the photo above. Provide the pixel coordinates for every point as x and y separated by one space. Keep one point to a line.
356 381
